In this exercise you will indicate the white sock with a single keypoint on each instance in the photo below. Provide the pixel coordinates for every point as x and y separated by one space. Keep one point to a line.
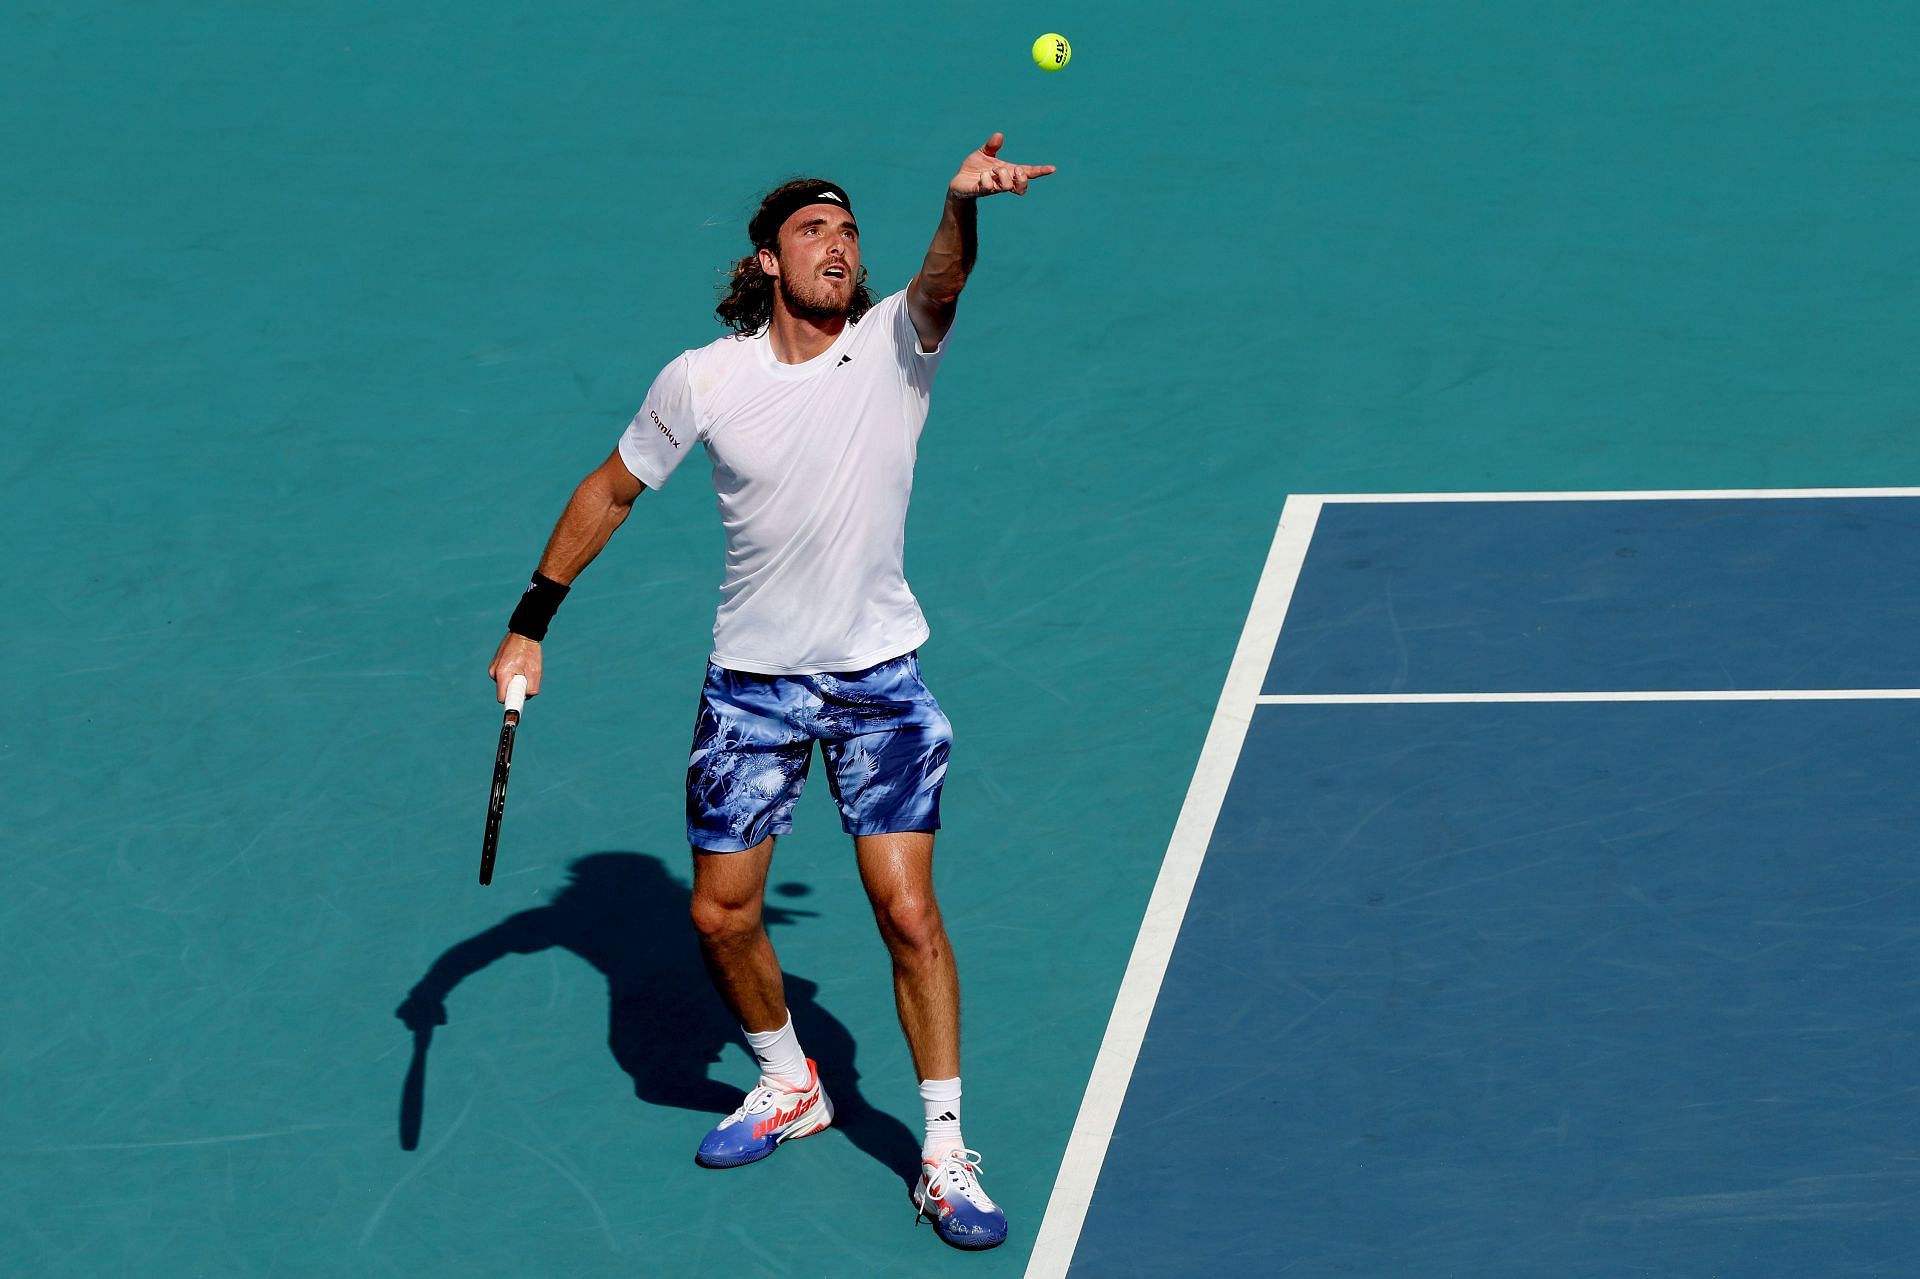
942 1098
779 1053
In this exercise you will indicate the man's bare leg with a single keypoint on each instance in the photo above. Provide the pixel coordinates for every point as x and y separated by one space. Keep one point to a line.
729 890
898 873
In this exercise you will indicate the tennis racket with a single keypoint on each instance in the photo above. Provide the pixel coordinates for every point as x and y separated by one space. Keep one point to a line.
502 765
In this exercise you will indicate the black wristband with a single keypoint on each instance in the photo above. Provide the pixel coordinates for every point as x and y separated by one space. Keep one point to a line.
538 603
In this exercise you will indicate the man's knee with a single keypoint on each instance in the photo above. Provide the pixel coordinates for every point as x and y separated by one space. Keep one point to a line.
727 892
911 922
720 920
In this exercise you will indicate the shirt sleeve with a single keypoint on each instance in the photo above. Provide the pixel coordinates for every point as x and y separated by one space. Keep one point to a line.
918 365
657 439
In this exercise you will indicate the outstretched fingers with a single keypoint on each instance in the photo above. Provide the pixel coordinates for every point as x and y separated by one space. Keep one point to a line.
1016 177
984 173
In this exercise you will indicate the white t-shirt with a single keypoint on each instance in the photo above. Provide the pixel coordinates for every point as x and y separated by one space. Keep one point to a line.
813 466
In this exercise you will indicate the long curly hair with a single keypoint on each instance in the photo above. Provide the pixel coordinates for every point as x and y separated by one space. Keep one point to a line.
746 296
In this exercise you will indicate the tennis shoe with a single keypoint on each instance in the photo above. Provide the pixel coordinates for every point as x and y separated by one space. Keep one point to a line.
950 1195
774 1112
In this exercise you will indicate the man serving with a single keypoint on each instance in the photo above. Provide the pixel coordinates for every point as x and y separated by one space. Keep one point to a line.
810 412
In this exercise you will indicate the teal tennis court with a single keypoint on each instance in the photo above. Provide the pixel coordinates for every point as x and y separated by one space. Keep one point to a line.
315 314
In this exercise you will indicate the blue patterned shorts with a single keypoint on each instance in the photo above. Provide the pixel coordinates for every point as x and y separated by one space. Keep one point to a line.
884 737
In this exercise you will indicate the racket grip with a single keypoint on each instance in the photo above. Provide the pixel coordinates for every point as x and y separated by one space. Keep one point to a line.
516 694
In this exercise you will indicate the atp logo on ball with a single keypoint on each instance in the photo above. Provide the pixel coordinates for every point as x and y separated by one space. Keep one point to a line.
1051 51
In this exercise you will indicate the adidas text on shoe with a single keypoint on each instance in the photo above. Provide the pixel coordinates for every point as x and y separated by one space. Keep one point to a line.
774 1112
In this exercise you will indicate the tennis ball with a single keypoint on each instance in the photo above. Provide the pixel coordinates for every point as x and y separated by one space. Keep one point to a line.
1051 52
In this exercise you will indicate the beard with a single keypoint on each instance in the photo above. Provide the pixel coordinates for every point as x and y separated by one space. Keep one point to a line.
814 299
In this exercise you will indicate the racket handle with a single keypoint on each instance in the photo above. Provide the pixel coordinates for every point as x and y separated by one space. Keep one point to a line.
516 694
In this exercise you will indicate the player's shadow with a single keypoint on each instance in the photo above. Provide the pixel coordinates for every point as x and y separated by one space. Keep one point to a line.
627 916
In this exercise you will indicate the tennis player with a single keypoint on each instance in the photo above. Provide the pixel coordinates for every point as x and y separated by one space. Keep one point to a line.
810 412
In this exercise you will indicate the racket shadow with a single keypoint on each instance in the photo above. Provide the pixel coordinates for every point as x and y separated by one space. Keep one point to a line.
626 914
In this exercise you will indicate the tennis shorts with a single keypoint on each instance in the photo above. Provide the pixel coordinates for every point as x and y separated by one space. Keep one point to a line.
884 737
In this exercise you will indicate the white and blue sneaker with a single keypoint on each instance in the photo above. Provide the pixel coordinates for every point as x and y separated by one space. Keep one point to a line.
949 1194
774 1112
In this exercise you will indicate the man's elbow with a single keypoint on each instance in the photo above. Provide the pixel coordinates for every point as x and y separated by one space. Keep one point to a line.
626 494
932 314
938 288
614 484
940 294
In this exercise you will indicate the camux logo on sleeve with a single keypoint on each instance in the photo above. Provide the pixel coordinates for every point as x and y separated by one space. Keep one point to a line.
671 438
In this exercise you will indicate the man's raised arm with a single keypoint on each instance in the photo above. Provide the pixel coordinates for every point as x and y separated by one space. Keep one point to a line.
935 291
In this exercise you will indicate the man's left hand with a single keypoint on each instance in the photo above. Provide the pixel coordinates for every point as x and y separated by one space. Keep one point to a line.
985 173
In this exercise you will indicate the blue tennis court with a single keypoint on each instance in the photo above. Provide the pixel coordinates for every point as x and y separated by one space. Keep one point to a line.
1510 957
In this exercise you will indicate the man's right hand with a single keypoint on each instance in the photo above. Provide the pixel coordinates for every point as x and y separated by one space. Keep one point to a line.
517 655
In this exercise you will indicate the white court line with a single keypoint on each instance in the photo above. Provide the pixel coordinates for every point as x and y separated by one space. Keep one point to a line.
1612 495
1651 695
1140 988
1167 908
